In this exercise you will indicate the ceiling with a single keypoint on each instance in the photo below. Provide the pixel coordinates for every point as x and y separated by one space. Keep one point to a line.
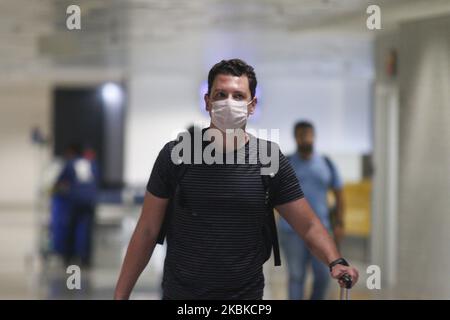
34 34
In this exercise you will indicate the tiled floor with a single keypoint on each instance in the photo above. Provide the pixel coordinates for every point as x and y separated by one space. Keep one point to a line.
24 275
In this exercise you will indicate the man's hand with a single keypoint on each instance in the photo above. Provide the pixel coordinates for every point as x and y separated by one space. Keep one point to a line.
339 270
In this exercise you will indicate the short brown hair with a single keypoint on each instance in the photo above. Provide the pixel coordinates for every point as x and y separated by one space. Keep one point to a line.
235 67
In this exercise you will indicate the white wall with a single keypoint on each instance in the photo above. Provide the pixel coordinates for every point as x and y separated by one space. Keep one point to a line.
23 105
26 102
322 77
411 202
424 157
306 74
159 107
339 107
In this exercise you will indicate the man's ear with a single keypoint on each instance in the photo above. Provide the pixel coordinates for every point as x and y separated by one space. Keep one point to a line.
252 106
207 105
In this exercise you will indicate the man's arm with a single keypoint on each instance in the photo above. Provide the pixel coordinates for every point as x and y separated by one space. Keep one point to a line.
303 220
141 244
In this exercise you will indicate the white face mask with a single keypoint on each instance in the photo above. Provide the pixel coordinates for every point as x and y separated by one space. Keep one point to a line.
229 114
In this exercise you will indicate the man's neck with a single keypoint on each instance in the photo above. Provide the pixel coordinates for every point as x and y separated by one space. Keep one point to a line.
305 155
238 142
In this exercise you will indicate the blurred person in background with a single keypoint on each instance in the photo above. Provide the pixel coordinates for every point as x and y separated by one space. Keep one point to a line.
317 175
77 184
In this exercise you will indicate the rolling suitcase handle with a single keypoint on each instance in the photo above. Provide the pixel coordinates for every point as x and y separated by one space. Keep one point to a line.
345 291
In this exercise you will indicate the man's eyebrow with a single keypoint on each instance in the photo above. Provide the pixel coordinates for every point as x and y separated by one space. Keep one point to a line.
225 90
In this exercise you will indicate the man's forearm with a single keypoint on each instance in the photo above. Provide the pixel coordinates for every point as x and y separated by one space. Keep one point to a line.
304 221
138 254
320 242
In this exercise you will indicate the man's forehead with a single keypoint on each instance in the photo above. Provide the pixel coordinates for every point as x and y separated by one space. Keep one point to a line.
225 81
305 131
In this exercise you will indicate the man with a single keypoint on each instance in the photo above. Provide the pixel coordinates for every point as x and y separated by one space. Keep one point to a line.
215 237
317 175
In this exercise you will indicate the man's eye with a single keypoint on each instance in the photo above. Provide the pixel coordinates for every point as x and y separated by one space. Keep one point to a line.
239 97
220 95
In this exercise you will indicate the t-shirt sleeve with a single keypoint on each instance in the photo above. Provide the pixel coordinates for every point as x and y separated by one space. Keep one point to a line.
161 179
288 186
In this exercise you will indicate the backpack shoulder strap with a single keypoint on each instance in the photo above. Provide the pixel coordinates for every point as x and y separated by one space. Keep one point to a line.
177 175
270 186
270 182
332 170
181 168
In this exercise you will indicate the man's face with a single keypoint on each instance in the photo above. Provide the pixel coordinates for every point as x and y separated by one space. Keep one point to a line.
228 86
305 139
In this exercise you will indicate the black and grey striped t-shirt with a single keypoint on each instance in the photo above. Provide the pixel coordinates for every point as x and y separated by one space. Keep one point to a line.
214 242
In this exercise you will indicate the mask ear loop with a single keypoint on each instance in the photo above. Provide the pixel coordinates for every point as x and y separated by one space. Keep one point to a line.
250 102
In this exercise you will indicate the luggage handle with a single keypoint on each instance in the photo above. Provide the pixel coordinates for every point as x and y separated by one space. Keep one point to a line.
345 291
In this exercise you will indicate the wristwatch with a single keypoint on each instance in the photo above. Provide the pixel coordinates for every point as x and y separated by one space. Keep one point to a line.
338 261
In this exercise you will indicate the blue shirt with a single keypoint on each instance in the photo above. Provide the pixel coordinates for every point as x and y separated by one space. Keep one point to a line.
82 177
316 177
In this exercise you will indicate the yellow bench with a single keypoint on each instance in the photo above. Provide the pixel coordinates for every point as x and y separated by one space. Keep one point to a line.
357 199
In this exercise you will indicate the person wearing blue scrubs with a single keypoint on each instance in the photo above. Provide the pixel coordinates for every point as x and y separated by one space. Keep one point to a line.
79 180
317 175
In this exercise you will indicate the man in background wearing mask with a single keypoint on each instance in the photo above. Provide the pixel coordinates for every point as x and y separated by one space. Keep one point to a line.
215 246
317 175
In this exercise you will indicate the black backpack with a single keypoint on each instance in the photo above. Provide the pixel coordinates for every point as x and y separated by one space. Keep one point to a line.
270 235
333 209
